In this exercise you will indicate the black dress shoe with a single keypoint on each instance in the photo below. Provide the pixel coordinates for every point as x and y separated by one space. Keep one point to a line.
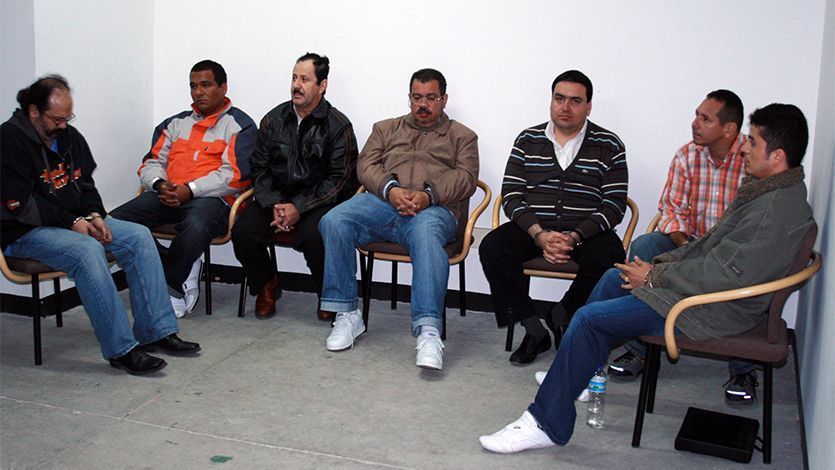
529 348
136 362
172 344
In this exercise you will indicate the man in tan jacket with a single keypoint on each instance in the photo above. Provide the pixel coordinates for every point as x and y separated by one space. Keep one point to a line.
419 171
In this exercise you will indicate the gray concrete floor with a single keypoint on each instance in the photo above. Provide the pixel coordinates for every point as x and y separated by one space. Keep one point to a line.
266 394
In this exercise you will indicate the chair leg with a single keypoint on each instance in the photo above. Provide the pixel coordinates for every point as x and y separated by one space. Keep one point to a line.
642 397
767 384
242 298
36 318
363 264
394 285
366 291
443 332
462 288
656 368
207 270
59 310
508 344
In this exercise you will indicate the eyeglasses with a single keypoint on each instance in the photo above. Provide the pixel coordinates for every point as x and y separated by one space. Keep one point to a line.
59 120
416 98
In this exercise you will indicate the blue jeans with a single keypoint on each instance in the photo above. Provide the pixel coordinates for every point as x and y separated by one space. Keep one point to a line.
611 315
83 259
197 222
365 218
648 246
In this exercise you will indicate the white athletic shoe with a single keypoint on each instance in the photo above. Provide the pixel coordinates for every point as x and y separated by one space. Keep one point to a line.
346 328
430 351
179 305
584 396
522 434
192 285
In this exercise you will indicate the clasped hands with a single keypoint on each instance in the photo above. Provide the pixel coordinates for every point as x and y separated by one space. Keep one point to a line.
556 246
408 202
173 194
96 227
285 217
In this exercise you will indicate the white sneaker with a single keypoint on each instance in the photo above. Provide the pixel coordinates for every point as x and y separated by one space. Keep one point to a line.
430 351
522 434
179 305
584 396
346 328
191 297
193 279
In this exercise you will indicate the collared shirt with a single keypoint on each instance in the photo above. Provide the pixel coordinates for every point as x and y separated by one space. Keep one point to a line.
568 152
697 190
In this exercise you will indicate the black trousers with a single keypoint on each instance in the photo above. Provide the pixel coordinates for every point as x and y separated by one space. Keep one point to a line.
503 251
252 233
197 222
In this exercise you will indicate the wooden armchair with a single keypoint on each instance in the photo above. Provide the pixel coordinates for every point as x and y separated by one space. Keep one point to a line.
766 344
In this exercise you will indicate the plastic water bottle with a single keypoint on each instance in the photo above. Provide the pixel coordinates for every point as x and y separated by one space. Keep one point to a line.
597 400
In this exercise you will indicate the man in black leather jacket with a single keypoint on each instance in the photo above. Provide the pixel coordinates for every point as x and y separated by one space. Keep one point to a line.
304 164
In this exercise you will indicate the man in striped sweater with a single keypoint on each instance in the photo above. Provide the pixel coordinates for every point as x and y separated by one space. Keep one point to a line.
564 191
198 163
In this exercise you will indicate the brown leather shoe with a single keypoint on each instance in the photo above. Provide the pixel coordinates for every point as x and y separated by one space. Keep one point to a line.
265 301
326 316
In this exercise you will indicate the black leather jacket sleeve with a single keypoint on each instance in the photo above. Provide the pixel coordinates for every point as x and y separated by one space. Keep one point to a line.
262 177
339 174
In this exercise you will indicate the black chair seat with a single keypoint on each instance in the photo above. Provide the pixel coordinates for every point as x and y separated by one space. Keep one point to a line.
751 345
392 248
539 264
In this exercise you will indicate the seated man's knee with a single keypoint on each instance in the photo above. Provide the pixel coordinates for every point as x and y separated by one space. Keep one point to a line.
333 222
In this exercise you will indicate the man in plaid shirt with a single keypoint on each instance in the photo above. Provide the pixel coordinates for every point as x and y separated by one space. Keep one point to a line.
703 178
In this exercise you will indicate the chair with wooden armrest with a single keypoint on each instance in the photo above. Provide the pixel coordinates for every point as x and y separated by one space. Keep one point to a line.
457 252
766 344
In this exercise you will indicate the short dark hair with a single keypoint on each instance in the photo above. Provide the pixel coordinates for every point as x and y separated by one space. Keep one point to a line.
39 92
321 65
574 76
427 75
783 126
217 70
732 110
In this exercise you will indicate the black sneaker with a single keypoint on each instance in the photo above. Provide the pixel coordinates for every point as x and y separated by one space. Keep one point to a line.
742 388
627 366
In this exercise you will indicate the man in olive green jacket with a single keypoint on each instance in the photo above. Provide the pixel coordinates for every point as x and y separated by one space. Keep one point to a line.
756 241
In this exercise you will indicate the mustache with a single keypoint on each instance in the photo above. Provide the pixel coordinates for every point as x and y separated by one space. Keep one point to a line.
423 110
298 90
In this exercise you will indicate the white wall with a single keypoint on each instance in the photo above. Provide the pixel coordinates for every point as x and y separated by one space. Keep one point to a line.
815 323
651 64
17 52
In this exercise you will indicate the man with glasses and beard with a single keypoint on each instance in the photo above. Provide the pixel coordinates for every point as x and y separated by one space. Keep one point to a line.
53 213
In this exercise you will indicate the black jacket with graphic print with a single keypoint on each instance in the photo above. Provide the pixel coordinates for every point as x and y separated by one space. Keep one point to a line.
40 187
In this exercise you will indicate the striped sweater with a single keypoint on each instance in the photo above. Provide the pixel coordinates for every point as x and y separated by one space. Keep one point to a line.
588 197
